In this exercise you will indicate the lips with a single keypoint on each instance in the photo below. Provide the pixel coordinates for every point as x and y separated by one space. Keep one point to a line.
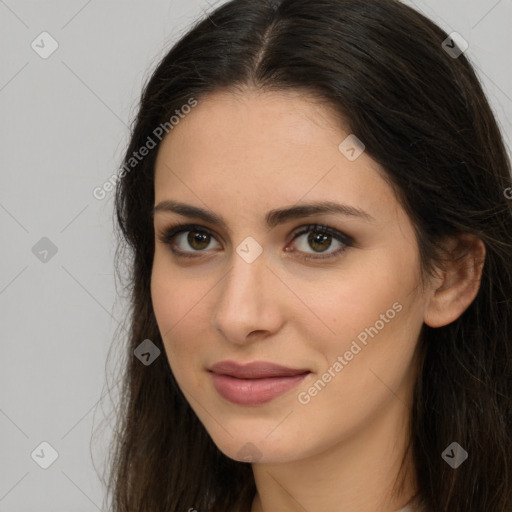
255 370
254 383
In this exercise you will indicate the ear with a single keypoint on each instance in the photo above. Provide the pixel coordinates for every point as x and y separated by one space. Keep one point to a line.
458 280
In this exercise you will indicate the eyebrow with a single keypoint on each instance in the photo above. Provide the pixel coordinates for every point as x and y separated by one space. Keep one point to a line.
272 218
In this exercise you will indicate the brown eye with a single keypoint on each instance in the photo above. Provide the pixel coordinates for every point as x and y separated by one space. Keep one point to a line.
181 238
320 239
198 240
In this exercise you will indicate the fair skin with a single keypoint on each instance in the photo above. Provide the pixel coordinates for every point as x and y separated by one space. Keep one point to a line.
240 156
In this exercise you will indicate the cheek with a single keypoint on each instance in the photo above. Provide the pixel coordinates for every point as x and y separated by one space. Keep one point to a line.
173 295
179 304
375 365
354 297
162 297
169 304
375 317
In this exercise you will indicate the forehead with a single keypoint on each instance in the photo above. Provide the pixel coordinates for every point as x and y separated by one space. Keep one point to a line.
265 149
255 122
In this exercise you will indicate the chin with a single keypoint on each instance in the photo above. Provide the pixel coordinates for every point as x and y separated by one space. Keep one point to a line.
256 451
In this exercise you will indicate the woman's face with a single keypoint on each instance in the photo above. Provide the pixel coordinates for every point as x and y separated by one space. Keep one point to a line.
348 318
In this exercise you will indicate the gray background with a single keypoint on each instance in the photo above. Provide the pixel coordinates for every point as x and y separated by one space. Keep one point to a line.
64 127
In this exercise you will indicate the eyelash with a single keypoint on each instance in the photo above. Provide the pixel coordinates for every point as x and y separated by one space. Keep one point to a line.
169 233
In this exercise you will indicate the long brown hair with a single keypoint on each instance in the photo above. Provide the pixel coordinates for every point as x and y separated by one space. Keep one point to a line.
424 118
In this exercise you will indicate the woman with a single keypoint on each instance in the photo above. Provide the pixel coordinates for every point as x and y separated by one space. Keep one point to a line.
321 253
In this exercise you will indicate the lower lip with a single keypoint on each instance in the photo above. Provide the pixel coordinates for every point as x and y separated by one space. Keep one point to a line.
254 391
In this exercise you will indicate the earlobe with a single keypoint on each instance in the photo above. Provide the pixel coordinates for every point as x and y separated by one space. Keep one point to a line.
458 282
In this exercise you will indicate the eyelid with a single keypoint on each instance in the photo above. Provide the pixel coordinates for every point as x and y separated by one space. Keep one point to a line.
166 234
306 228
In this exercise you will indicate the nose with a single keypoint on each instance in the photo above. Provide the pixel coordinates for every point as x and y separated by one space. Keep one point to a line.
248 305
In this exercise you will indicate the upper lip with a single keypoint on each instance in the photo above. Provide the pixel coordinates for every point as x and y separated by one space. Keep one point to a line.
254 370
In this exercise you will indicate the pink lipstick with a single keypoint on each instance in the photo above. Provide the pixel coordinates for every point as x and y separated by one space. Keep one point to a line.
254 383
